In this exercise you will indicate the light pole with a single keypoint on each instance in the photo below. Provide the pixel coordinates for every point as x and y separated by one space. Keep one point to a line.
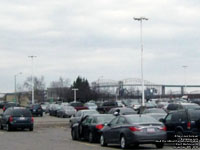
141 42
32 82
15 78
75 89
184 68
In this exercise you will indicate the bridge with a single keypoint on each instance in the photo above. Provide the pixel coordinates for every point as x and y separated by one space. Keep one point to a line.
136 82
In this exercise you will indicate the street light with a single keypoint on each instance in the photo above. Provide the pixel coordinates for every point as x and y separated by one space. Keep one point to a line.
184 68
32 83
141 42
75 89
15 78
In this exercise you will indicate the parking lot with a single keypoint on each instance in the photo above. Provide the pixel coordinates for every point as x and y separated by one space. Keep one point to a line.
53 138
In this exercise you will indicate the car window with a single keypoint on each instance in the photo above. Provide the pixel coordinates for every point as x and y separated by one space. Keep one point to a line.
88 120
7 112
194 115
121 121
168 118
114 121
179 117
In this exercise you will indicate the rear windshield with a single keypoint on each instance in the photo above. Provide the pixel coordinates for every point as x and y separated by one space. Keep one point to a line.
141 119
104 119
21 112
194 115
76 104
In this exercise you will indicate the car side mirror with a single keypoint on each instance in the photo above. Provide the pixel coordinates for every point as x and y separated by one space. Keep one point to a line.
162 120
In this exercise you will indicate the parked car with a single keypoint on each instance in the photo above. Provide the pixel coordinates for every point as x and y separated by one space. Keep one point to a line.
78 105
182 122
133 129
36 110
44 106
66 111
10 104
178 106
90 127
17 117
122 111
54 109
80 114
2 103
156 113
106 106
91 106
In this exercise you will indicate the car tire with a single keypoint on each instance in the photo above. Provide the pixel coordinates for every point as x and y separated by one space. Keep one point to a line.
102 140
8 127
123 142
91 137
73 134
159 145
31 129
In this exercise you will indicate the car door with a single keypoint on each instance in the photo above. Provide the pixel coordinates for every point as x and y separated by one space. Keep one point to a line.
109 134
116 130
85 127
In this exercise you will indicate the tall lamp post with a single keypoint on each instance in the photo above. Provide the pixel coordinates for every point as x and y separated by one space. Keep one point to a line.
75 89
141 43
32 83
184 68
15 78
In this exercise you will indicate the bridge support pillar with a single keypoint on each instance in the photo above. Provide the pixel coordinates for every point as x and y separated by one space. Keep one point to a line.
163 90
182 90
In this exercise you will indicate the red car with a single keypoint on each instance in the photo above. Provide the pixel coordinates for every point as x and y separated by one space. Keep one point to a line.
78 105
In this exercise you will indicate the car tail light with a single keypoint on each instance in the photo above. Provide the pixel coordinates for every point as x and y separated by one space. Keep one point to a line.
99 126
164 128
133 129
10 119
32 119
189 125
4 108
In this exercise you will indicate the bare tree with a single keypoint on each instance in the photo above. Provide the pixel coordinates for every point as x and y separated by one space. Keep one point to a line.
61 83
39 83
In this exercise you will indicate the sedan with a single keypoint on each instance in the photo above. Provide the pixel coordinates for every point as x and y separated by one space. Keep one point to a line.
89 127
156 113
66 111
133 129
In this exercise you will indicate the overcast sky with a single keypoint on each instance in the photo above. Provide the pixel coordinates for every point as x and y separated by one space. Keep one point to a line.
94 38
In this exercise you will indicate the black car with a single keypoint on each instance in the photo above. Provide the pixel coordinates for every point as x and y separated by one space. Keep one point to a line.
182 122
36 110
16 117
10 104
133 129
2 103
122 111
89 127
81 114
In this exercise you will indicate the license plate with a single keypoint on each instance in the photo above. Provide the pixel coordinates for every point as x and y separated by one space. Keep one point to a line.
150 130
21 118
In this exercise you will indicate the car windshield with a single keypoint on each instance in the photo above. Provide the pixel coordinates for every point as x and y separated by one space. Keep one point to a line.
194 115
21 112
191 106
89 112
154 111
141 119
104 119
76 104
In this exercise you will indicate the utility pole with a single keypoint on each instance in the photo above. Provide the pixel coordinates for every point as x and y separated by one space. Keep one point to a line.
75 89
184 67
32 76
15 84
141 43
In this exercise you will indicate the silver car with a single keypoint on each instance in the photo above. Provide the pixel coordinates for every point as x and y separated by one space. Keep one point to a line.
66 111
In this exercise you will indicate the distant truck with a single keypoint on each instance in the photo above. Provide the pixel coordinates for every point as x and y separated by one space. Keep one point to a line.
106 106
78 105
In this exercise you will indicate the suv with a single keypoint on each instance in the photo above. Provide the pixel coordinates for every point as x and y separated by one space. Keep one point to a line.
36 109
182 122
16 117
179 106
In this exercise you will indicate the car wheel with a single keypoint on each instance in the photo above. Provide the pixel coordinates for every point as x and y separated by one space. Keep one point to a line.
123 142
1 127
8 127
73 133
159 145
91 137
102 141
31 129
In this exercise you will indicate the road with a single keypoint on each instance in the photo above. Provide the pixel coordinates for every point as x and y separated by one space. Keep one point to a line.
54 138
